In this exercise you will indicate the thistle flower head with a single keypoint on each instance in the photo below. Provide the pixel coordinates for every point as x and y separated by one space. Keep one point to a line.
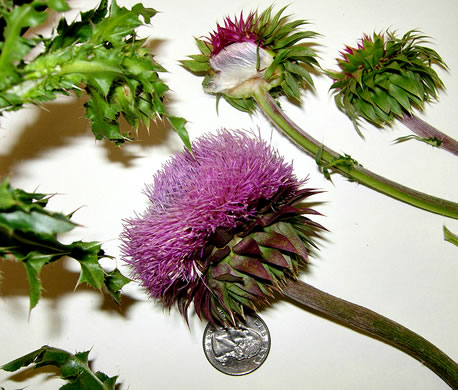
257 52
223 228
385 77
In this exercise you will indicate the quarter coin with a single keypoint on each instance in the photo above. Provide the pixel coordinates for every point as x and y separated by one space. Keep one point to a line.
238 350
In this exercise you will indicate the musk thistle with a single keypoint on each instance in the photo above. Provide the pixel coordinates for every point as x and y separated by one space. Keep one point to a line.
227 227
224 228
385 78
251 61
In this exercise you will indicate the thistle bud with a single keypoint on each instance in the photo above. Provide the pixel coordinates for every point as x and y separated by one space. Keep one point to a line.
258 53
386 77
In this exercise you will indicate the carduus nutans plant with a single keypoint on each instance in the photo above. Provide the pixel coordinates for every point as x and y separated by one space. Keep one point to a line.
224 228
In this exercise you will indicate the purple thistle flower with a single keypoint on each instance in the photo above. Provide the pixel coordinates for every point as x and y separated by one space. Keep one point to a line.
222 187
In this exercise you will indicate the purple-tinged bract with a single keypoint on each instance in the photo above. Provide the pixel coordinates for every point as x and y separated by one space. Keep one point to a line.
200 207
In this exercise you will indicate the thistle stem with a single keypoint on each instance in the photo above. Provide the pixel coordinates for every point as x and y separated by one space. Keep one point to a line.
328 158
425 130
375 325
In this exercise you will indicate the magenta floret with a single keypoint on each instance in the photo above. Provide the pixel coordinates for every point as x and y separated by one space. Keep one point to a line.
234 31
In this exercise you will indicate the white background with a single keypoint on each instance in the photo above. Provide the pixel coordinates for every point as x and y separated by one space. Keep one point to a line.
380 253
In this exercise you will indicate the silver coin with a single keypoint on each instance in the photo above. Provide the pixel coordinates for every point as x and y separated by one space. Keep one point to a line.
239 350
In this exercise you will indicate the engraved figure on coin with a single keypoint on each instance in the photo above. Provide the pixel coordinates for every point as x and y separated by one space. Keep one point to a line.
235 343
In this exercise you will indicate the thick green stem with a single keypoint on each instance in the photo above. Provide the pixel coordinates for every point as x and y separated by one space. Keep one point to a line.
373 324
87 67
327 157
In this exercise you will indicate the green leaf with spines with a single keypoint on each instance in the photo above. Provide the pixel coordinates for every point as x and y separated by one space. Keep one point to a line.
275 22
99 52
33 264
74 368
114 282
246 105
368 111
31 239
384 118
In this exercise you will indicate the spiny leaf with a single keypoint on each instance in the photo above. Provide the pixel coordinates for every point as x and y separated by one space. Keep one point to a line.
406 83
98 53
91 271
33 264
114 282
73 367
28 234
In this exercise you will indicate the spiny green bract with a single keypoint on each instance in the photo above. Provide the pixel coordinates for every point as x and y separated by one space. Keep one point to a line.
289 71
99 54
28 234
386 77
